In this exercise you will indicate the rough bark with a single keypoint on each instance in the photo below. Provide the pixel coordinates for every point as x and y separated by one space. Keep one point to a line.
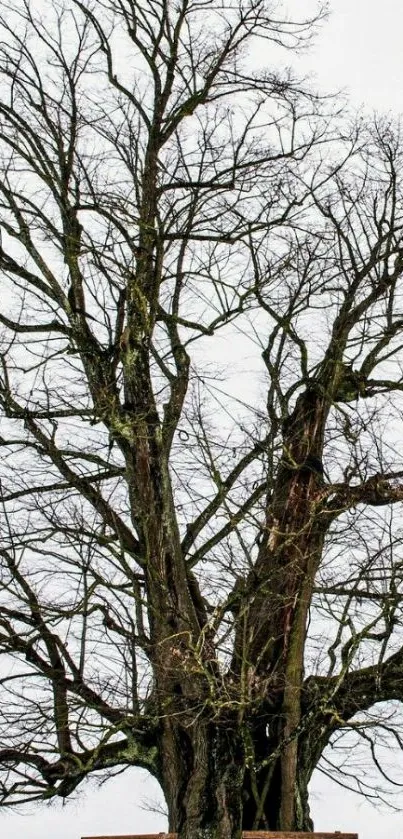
282 588
203 769
144 232
213 791
244 771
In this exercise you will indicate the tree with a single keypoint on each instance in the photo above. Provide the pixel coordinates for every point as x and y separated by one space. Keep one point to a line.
184 586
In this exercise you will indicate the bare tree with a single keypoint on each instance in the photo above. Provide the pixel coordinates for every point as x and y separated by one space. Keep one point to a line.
195 586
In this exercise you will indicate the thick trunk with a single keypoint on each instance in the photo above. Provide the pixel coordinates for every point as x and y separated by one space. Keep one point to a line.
230 756
278 595
213 789
203 769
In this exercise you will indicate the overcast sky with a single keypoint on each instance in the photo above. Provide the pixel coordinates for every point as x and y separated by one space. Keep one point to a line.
360 50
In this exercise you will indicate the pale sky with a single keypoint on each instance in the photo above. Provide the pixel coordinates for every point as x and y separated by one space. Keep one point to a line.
359 49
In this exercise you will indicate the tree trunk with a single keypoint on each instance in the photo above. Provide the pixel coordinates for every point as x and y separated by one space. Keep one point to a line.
266 813
212 789
203 769
279 593
240 767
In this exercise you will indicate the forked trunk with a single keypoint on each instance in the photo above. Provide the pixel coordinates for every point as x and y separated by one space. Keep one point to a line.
235 763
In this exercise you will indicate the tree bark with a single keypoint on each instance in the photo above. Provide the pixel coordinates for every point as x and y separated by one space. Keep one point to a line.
203 770
281 587
212 790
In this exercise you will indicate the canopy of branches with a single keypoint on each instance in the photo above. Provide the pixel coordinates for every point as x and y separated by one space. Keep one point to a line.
201 375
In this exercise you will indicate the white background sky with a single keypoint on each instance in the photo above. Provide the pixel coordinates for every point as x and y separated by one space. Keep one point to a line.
359 50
